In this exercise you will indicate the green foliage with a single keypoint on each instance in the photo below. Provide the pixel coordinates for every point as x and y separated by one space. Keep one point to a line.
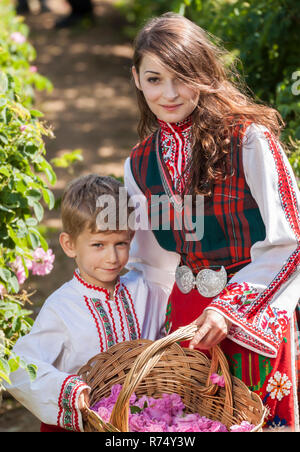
67 159
25 177
262 34
137 13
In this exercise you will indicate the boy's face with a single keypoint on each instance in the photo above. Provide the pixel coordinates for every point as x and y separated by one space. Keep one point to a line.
100 256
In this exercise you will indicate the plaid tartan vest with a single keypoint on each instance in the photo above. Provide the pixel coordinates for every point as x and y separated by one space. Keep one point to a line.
231 220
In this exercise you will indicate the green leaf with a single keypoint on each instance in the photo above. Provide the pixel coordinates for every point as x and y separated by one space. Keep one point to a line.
48 197
5 274
3 83
14 363
4 367
36 114
31 221
13 284
4 376
135 409
32 371
38 211
34 237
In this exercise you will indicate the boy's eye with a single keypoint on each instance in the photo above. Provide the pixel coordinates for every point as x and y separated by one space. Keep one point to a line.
122 243
97 245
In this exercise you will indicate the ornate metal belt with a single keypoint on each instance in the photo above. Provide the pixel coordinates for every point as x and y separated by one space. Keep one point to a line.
208 282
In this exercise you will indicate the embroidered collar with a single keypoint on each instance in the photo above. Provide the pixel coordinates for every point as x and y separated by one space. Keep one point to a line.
175 153
99 290
179 127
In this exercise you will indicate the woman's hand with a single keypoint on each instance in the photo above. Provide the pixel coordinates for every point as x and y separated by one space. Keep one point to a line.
212 329
84 402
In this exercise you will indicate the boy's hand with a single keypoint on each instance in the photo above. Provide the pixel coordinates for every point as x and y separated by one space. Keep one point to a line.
84 402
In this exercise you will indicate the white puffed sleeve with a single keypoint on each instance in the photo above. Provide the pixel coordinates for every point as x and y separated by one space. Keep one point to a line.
260 299
53 395
146 255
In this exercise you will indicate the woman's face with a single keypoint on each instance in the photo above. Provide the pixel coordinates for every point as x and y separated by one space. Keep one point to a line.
168 98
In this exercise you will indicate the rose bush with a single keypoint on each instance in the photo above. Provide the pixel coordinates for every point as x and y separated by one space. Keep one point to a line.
25 177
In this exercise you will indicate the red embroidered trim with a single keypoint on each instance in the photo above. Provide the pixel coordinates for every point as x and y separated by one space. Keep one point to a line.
112 319
289 204
119 311
133 309
72 401
75 411
90 286
96 321
258 318
286 191
285 273
60 397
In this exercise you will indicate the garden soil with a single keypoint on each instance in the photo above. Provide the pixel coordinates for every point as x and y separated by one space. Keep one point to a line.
91 107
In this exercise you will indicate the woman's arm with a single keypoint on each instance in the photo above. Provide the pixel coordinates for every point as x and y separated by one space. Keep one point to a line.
146 255
260 299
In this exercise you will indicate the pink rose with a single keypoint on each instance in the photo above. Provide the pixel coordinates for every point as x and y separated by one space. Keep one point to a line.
137 422
104 413
17 37
217 380
2 290
42 262
244 426
19 269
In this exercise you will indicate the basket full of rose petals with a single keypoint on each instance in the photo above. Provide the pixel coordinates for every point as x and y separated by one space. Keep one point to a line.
159 386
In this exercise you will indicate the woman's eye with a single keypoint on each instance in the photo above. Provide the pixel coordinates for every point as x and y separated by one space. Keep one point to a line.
153 79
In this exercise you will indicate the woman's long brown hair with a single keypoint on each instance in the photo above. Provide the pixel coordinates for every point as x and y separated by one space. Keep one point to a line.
189 52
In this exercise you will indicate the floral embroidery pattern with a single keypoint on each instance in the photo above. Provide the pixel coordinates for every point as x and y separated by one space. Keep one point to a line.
277 424
176 150
116 319
257 323
279 386
68 415
106 323
129 316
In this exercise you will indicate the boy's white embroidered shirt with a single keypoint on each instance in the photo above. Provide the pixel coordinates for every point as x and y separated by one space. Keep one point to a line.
75 323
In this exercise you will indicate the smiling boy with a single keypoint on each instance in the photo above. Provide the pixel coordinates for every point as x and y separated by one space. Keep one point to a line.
96 309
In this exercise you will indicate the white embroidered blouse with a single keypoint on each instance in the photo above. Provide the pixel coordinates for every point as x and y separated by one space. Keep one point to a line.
75 323
273 273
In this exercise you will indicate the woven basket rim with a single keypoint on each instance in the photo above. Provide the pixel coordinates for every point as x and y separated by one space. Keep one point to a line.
158 351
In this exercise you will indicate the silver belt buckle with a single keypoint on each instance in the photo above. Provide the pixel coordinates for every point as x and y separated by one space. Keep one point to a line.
208 282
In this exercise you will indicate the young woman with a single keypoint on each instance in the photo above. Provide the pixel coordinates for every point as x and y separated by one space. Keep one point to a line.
202 135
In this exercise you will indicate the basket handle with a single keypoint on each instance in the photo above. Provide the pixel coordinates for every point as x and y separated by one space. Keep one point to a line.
150 357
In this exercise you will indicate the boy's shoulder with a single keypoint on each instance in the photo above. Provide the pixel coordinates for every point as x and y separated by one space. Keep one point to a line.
132 276
66 292
134 279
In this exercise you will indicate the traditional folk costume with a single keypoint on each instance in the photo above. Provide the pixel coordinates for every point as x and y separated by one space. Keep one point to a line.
75 323
251 230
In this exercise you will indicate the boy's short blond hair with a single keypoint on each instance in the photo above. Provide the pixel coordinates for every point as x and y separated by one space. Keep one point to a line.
79 203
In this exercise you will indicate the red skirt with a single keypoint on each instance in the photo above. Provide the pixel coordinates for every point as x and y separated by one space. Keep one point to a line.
273 379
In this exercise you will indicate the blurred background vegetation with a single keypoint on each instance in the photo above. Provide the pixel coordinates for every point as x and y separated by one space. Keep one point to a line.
264 37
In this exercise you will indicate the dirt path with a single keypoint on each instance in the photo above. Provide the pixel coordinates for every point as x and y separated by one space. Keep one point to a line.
92 107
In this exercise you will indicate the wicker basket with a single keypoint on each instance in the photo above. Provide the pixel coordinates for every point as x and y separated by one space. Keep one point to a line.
153 368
